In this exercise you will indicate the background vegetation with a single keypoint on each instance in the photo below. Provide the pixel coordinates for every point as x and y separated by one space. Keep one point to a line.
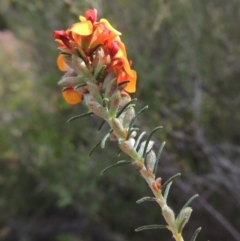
187 55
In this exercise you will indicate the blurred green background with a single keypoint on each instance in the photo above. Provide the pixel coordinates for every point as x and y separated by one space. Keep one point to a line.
187 55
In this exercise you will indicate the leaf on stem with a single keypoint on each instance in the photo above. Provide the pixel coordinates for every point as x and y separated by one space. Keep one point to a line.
104 140
195 234
165 195
94 49
119 163
79 86
125 107
139 139
99 72
144 199
149 138
94 148
153 226
170 180
136 116
101 125
81 54
131 131
189 201
158 157
80 116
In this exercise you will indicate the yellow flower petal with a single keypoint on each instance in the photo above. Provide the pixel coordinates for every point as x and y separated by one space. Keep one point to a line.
82 19
131 86
82 28
126 66
109 26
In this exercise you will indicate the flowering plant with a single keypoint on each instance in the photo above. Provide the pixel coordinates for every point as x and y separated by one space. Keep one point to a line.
98 72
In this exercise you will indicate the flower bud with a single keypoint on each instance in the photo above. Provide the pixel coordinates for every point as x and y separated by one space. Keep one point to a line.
110 87
114 103
183 218
80 67
97 109
94 91
118 128
126 147
169 218
70 81
128 115
142 147
151 160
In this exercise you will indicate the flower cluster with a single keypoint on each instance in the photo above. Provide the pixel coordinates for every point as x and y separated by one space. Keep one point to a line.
92 50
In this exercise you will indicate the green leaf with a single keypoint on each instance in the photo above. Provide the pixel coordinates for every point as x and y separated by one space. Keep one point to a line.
170 180
195 234
99 72
167 190
158 157
123 83
125 107
81 54
189 201
94 147
139 139
119 163
101 125
79 116
131 131
79 86
153 226
94 49
144 199
104 140
136 116
149 138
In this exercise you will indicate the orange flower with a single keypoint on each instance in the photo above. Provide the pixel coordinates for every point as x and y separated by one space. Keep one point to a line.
95 43
61 63
71 96
131 86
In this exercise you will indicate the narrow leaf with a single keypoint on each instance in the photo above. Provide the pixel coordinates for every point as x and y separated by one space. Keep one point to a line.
79 86
123 83
80 55
153 226
94 147
94 49
139 139
167 190
158 157
101 125
119 152
125 107
149 138
144 199
119 163
79 116
104 140
195 234
99 72
170 180
131 131
189 201
136 116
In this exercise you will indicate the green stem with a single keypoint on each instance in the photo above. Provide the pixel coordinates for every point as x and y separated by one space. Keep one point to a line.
149 179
